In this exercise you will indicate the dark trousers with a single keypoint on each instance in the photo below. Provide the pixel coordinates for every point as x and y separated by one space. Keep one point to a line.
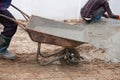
96 15
10 27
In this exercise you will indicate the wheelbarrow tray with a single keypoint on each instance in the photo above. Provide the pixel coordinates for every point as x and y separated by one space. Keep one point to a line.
51 39
54 32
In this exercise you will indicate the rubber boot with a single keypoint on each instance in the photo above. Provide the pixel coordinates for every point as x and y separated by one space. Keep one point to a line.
4 44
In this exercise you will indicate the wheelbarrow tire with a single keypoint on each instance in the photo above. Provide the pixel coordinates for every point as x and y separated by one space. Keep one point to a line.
67 60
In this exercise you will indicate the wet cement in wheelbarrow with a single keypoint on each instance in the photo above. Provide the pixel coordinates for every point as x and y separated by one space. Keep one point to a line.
25 66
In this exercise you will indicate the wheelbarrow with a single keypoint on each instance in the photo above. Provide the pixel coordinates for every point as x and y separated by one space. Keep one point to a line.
43 30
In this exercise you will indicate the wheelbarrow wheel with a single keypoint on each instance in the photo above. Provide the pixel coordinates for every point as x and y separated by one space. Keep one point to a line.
72 57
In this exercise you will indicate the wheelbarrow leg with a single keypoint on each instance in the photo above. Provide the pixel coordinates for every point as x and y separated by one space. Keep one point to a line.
49 62
47 56
38 53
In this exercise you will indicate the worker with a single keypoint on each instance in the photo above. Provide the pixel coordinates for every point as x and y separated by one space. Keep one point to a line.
93 10
9 30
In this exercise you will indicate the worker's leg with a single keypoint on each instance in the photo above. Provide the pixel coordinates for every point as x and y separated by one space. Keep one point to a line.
98 14
9 30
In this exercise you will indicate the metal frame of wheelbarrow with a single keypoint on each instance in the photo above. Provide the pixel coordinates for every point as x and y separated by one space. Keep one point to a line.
68 55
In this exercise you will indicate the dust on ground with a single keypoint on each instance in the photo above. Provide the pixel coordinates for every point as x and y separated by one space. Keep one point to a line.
25 66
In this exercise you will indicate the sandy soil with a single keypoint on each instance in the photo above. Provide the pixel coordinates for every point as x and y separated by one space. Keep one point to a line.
25 66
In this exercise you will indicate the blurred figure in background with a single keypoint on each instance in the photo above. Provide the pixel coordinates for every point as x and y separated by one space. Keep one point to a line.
93 10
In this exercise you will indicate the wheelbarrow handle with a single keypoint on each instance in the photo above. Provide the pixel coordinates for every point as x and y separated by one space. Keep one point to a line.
23 26
26 16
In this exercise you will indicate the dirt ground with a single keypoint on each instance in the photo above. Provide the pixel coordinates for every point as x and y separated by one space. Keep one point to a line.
25 66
